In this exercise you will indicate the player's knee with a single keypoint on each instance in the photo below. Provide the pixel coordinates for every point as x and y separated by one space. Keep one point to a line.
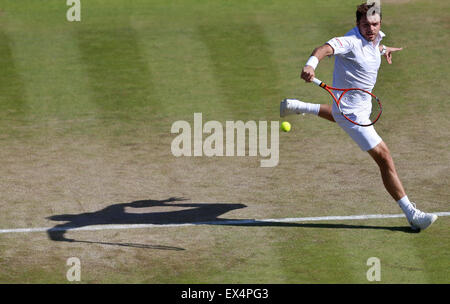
385 155
381 154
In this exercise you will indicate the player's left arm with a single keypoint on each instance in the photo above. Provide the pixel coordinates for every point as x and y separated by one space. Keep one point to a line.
388 52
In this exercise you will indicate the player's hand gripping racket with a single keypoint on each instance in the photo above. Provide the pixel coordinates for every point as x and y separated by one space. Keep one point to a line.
362 95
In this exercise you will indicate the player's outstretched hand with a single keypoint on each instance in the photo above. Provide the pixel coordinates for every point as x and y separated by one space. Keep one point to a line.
308 73
389 51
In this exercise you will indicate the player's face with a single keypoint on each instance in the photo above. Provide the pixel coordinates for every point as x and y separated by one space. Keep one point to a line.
369 27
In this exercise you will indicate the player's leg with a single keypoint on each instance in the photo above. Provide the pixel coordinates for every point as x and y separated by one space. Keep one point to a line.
382 156
368 140
391 181
294 106
325 111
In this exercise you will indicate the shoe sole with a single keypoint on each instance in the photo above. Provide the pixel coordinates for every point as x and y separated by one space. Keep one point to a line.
283 105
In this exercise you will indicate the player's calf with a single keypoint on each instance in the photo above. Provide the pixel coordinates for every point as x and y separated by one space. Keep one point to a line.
325 111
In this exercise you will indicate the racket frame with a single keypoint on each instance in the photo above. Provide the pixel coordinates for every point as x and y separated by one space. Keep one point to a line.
329 89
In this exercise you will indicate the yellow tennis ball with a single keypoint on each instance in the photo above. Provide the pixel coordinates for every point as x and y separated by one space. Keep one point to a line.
285 126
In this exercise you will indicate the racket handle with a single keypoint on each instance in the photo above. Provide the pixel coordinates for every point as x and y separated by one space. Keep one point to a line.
317 81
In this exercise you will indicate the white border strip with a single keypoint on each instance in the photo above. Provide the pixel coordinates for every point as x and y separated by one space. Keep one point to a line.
225 222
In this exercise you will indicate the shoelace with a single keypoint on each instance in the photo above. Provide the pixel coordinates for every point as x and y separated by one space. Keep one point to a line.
417 212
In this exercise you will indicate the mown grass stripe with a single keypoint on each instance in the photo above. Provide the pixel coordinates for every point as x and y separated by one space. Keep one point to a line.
243 67
12 98
119 77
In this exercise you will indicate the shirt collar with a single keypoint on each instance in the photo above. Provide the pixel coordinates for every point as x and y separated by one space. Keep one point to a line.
377 40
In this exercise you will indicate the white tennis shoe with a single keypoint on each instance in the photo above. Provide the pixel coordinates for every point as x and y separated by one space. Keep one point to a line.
289 107
421 220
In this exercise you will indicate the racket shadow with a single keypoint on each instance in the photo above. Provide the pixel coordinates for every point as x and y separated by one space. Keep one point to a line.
132 245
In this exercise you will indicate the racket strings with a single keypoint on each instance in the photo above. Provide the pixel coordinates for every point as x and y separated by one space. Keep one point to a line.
376 109
360 107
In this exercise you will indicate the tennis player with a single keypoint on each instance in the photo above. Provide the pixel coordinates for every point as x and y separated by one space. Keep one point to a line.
357 60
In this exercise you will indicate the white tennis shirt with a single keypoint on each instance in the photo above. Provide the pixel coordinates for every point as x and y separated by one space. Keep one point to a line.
356 66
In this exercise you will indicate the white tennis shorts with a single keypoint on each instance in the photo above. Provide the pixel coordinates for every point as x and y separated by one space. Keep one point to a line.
366 137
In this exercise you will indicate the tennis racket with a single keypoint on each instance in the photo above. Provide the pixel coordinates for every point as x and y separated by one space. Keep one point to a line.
353 94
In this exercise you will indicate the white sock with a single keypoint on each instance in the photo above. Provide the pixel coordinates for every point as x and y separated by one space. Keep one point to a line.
308 108
406 206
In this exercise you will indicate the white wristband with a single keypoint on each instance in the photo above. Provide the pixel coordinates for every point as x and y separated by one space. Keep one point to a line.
313 61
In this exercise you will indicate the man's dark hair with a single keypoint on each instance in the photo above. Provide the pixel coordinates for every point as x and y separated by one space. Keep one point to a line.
362 10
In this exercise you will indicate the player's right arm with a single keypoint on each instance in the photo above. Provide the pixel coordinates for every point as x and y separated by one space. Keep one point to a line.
308 72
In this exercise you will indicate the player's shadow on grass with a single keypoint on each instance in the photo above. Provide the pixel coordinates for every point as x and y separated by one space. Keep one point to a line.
136 213
172 211
405 229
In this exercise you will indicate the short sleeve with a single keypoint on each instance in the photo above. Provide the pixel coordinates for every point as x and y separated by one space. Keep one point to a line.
341 45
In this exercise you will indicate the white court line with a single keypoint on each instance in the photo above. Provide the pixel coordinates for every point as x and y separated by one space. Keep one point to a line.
225 222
